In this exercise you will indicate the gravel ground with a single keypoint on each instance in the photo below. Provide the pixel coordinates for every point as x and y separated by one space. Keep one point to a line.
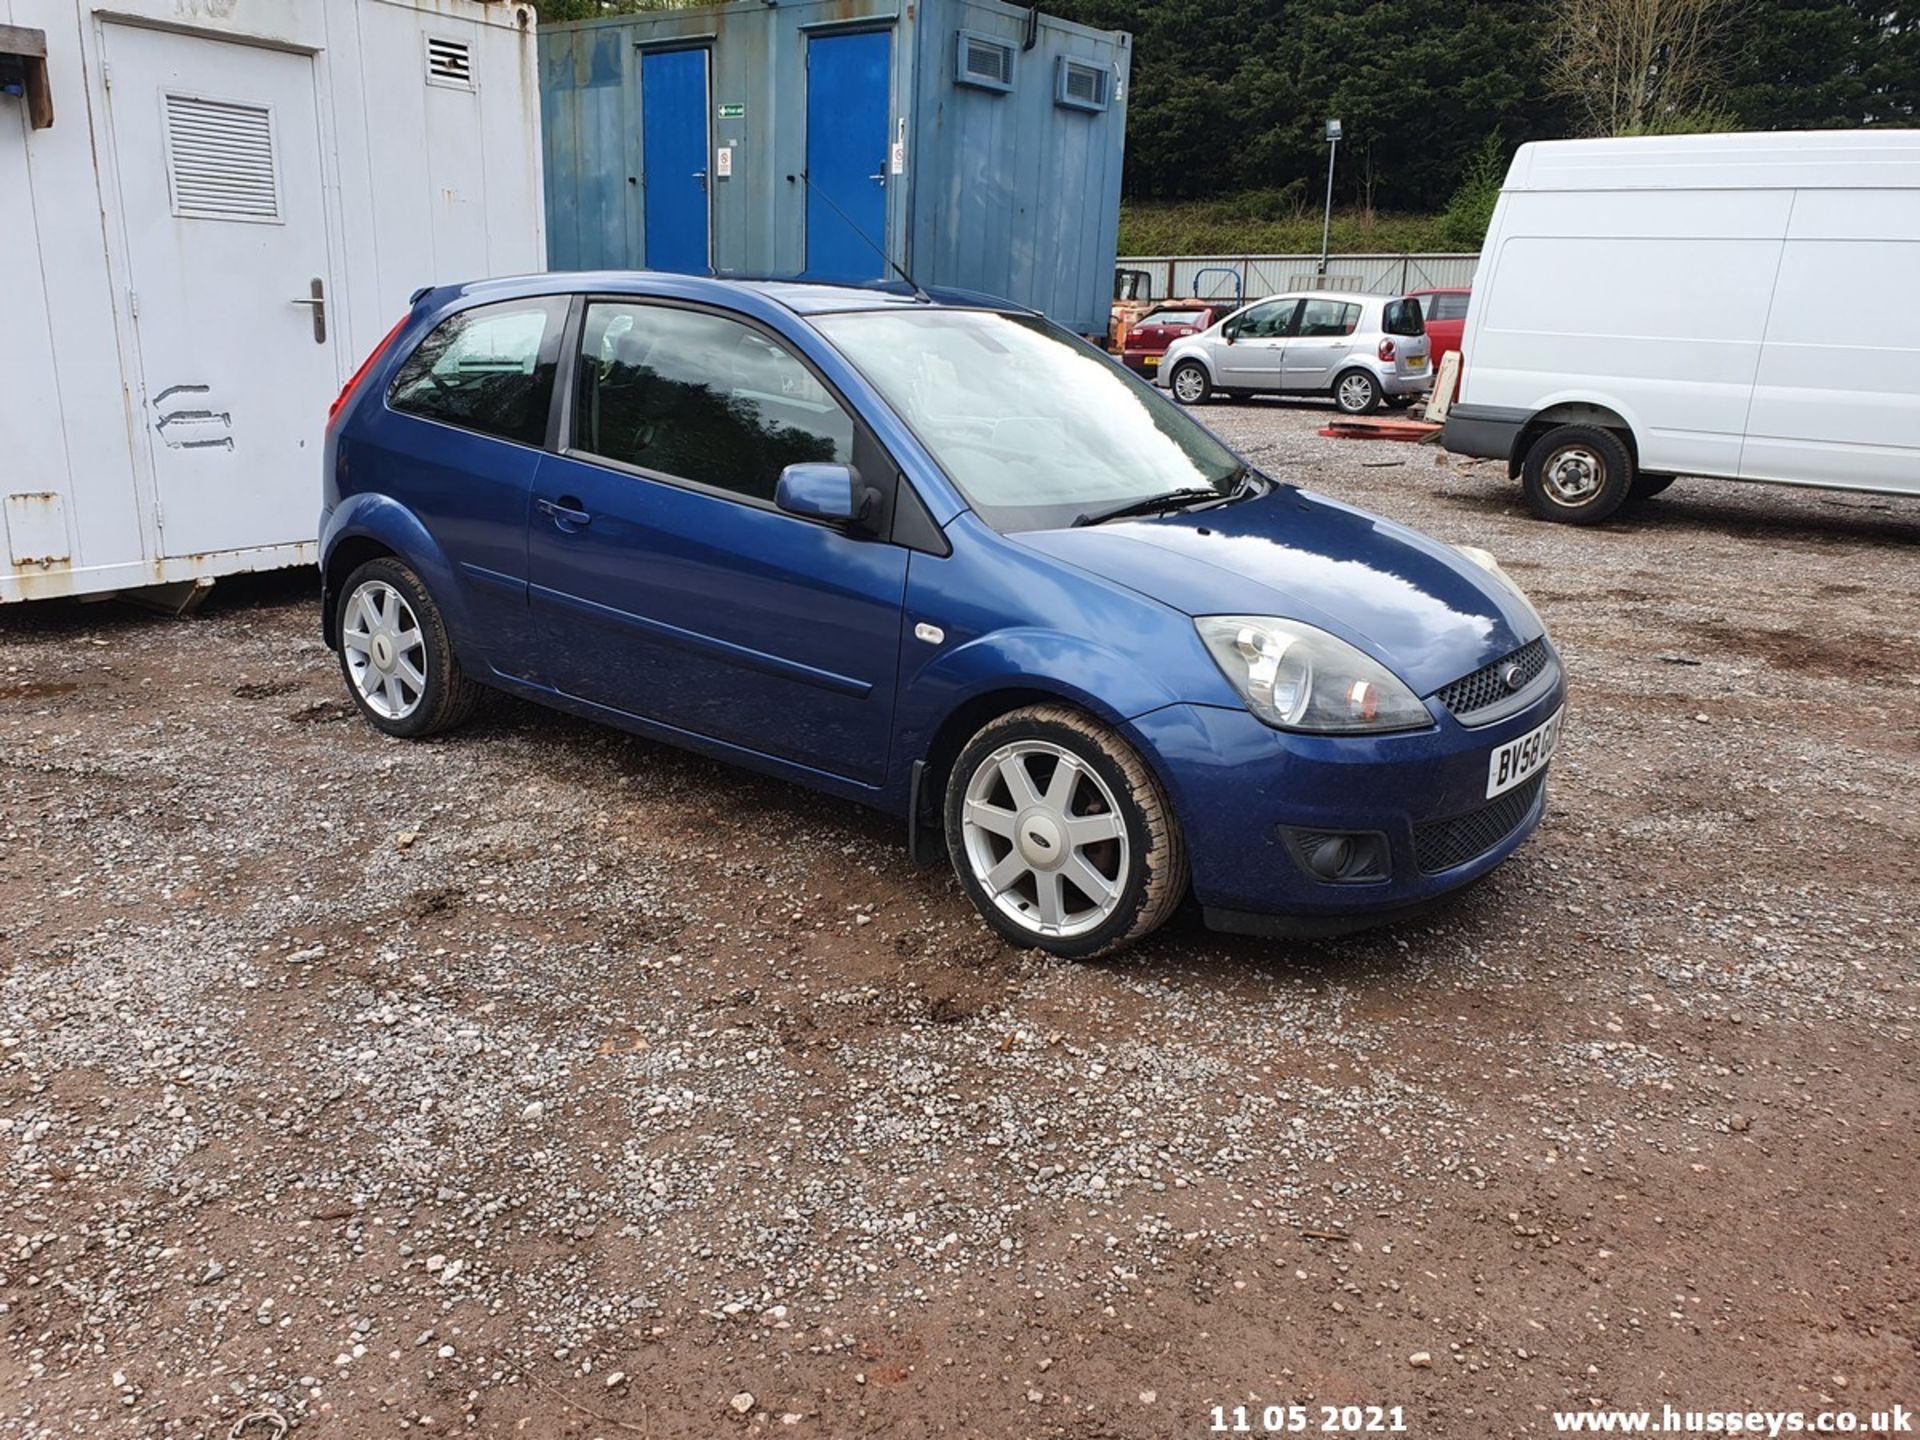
544 1081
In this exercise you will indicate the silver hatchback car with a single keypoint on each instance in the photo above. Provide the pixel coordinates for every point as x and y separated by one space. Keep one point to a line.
1363 350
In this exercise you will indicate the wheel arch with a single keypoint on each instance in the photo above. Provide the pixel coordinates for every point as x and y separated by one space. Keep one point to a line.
1572 411
933 766
369 526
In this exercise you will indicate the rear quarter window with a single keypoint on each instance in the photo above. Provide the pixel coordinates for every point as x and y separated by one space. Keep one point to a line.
1445 307
489 369
1403 317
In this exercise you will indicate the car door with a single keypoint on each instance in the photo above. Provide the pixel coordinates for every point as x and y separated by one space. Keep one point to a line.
1252 345
664 583
1321 338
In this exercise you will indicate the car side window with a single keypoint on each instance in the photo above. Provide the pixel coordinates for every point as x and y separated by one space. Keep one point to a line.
488 369
1263 322
1445 307
698 397
1322 318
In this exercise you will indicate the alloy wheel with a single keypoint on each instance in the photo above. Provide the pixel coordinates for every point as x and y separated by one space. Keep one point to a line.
385 650
1189 384
1045 838
1356 393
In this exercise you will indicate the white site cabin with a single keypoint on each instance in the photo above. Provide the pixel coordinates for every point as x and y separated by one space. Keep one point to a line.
209 214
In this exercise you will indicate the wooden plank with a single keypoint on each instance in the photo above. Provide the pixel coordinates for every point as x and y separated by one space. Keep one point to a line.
1448 380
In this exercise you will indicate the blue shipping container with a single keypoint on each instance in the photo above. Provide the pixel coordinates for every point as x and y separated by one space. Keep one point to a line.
975 144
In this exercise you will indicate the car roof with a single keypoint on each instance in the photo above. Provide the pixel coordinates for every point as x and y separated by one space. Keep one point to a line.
1443 290
1352 296
799 297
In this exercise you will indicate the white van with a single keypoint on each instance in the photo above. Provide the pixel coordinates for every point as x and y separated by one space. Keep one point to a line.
1738 306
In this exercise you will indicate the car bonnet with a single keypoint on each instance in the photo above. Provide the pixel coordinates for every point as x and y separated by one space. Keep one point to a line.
1422 608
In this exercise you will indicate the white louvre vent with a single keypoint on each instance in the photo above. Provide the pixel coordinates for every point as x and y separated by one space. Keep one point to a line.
984 62
449 62
220 160
1083 87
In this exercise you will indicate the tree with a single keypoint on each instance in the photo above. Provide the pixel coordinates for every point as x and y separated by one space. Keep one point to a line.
1642 67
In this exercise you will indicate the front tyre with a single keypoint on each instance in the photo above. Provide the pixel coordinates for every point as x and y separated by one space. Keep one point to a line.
1356 393
1577 474
1190 383
1061 835
396 655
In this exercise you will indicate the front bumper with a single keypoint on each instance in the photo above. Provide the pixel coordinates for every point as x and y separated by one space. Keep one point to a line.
1236 782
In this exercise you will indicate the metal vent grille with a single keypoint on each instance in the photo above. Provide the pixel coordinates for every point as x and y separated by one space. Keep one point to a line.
449 62
984 62
1442 844
1082 86
220 160
1487 686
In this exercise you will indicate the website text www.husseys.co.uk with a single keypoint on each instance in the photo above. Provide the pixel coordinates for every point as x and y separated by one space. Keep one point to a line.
1669 1421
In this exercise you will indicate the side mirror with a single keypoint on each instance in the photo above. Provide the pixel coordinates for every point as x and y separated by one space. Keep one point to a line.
1229 331
832 493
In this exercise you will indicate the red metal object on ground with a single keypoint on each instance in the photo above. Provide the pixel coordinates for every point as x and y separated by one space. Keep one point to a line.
1383 428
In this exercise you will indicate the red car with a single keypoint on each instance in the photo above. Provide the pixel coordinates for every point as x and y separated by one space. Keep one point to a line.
1446 312
1149 337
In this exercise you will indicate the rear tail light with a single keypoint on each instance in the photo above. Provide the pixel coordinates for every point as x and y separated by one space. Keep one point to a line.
353 382
1387 351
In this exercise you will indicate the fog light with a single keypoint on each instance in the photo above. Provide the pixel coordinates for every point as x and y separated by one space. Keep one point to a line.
1328 856
1339 857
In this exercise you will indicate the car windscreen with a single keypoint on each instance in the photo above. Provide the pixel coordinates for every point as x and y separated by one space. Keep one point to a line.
1034 426
1402 317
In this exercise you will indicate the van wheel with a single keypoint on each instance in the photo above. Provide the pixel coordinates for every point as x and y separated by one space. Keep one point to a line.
1061 835
396 655
1579 474
1646 486
1357 393
1191 385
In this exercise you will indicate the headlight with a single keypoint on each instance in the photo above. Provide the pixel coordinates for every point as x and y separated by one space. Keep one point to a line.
1295 677
1485 560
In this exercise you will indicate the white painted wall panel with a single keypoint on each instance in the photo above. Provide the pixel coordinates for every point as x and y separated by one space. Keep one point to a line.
420 184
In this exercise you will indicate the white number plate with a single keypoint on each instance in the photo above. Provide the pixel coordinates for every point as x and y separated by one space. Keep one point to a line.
1519 759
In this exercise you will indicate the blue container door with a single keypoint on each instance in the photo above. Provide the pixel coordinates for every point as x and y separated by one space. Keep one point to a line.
848 89
673 131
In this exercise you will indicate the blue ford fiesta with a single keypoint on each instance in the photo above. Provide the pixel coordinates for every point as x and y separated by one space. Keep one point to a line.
936 555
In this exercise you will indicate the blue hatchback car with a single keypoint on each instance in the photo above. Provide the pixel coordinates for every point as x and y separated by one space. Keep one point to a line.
934 554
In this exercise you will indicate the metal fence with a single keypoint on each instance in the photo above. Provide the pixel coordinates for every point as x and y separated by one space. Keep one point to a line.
1181 275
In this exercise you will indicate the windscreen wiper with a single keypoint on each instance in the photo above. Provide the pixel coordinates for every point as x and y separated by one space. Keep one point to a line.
1152 505
1244 484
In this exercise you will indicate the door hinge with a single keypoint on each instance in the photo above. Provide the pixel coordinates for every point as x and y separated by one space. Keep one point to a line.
106 76
133 303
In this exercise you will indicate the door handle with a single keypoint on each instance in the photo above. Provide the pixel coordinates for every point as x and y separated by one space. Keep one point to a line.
317 301
565 512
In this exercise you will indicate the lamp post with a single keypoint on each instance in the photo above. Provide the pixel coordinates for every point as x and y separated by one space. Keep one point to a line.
1326 222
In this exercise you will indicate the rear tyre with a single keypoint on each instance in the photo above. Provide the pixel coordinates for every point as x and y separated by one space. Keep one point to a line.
1190 383
1577 474
1646 486
1061 835
396 655
1356 393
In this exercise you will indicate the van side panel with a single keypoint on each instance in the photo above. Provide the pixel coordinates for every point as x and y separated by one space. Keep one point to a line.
1650 303
1838 396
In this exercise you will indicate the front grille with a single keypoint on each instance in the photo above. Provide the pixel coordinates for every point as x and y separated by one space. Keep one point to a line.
1442 844
1487 686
